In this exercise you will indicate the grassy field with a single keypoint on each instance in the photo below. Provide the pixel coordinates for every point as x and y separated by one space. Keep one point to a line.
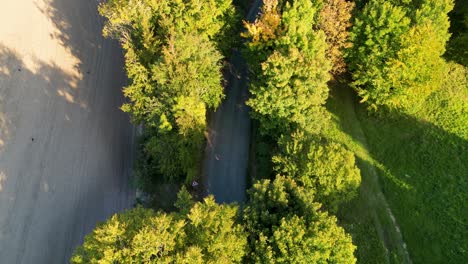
422 162
367 217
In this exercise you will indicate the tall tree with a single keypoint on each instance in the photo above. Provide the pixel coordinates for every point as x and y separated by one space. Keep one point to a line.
286 226
289 69
397 47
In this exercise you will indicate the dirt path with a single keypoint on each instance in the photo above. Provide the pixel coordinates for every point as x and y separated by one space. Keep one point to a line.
65 146
227 152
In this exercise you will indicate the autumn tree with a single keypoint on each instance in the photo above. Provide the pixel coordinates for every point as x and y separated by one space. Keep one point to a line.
325 167
397 47
202 232
335 18
285 225
289 68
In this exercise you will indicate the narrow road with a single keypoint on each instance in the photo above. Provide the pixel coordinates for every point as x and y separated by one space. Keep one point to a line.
65 146
227 152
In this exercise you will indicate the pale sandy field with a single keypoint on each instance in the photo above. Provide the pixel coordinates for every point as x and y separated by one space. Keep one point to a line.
65 147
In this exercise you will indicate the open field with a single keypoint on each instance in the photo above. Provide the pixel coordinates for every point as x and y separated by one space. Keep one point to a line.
420 159
65 147
368 217
423 164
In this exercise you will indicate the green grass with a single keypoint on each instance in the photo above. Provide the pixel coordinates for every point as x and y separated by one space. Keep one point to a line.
424 171
366 217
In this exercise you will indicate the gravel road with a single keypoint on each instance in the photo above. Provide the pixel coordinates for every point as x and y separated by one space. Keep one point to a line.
227 151
65 146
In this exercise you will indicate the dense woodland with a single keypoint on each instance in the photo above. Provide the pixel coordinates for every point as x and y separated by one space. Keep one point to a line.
357 106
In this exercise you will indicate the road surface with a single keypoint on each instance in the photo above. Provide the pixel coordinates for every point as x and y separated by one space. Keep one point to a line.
65 146
227 153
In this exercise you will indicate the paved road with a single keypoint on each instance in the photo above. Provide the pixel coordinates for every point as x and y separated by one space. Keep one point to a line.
227 151
64 145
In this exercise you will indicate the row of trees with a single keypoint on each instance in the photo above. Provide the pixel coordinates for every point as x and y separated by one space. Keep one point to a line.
292 48
289 73
395 59
173 54
289 228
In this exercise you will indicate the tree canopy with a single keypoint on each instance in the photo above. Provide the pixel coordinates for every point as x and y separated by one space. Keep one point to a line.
202 232
173 53
325 167
397 47
289 68
285 225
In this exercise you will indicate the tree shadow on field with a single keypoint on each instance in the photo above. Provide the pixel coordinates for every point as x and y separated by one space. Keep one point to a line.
423 173
31 91
78 27
19 83
433 212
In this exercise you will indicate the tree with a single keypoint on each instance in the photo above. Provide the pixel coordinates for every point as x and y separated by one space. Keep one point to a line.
327 168
334 21
203 232
285 225
397 47
173 61
375 36
144 24
289 69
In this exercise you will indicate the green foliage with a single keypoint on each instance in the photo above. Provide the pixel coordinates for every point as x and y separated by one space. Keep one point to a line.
184 201
188 67
375 36
202 233
286 226
289 68
397 47
138 235
212 228
174 66
327 168
145 24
